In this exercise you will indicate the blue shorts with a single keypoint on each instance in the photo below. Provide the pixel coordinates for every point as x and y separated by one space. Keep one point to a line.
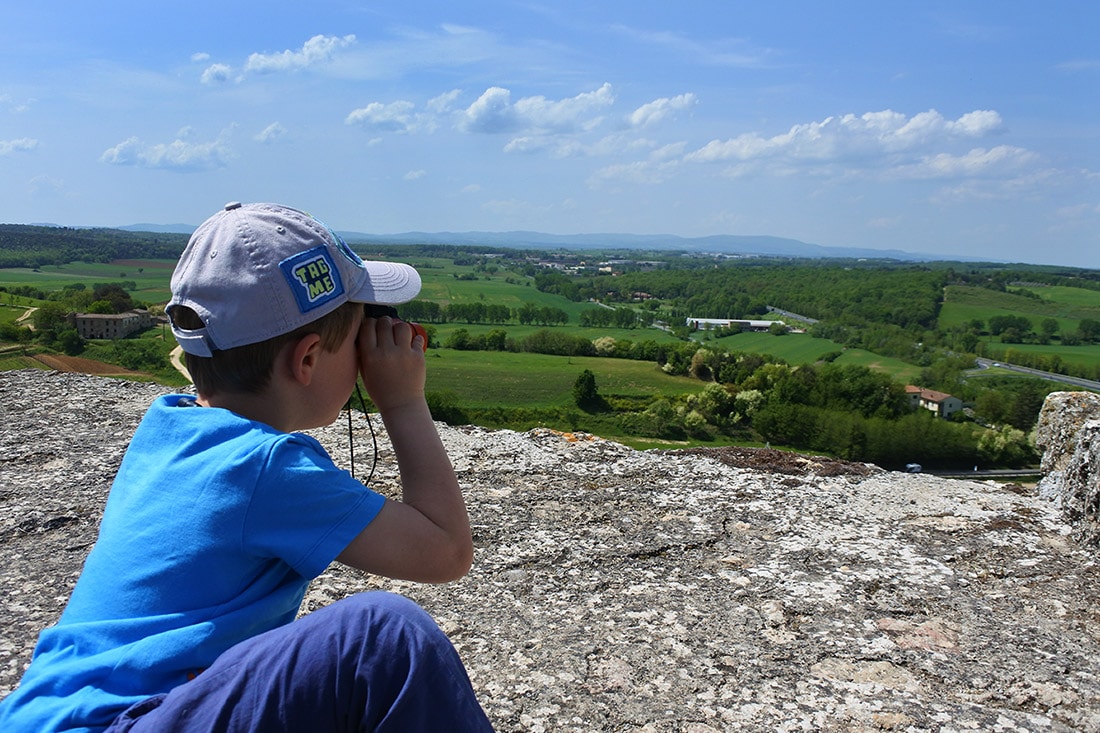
370 662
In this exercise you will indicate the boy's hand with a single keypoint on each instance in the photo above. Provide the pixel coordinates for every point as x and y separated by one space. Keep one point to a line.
391 360
425 536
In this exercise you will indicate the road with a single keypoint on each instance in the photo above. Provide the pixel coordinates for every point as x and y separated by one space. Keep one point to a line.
1075 381
992 474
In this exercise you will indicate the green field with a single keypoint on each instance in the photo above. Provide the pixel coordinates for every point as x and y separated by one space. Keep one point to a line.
493 378
1068 306
1084 355
801 348
10 314
151 277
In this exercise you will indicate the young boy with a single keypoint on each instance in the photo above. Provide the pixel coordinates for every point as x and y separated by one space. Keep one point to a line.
220 515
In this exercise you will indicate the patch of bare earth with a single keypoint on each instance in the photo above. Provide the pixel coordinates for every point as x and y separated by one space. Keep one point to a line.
777 461
82 366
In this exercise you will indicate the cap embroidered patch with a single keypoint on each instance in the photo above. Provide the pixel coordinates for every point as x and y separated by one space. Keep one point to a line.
313 278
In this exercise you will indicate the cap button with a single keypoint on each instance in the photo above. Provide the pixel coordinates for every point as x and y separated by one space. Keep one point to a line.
233 205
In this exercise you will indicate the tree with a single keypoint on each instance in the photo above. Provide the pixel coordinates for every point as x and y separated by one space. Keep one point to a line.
1088 330
69 341
585 394
1047 328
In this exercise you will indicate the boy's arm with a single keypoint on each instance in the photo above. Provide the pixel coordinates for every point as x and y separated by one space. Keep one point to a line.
426 536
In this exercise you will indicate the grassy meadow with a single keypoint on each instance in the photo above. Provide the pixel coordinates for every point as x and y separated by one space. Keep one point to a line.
1068 306
964 303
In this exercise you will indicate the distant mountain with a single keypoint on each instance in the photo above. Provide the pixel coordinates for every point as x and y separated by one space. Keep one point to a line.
160 228
729 244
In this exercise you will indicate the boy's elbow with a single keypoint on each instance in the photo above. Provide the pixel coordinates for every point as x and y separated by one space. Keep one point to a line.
458 562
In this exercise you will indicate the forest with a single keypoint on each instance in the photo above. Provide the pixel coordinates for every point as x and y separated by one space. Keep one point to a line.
38 246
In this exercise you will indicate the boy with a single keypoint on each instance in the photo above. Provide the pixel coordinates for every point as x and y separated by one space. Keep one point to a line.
220 515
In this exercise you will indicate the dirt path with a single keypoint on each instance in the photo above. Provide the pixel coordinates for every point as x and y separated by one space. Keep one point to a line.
176 357
26 316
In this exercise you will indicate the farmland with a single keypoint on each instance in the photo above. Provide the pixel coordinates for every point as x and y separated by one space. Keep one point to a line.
655 379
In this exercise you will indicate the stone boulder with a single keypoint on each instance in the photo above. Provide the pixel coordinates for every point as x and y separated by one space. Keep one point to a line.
657 591
1068 433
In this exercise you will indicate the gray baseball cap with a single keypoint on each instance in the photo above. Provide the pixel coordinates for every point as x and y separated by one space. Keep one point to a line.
255 271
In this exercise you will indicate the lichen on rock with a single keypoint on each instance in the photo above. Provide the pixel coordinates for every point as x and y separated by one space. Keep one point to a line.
622 590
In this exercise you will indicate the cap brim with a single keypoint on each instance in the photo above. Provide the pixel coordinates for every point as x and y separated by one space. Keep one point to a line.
386 283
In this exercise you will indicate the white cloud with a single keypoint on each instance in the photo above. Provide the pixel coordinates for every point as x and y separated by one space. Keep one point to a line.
851 137
22 144
639 172
494 112
415 175
720 52
443 103
216 74
1078 65
179 154
200 56
45 186
377 117
317 50
976 162
659 109
270 134
11 105
1078 211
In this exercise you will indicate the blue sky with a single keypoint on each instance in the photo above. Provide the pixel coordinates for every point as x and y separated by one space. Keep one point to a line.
949 128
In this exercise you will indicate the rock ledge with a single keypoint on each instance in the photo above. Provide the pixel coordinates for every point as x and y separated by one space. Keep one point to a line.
687 591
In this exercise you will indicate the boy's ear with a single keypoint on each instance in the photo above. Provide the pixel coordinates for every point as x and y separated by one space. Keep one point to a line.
302 355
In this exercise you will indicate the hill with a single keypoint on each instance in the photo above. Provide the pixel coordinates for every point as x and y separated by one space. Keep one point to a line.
728 244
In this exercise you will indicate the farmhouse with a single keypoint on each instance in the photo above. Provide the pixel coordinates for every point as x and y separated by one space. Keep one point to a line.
111 325
703 324
941 403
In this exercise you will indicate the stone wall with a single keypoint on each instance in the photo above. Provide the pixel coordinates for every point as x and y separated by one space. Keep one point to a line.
686 591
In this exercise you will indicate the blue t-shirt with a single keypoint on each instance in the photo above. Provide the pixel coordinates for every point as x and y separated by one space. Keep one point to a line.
214 527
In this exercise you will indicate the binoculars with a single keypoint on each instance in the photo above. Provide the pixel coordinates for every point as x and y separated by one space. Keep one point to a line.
373 310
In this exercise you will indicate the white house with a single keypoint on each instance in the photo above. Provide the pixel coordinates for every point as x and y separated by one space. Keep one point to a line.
941 403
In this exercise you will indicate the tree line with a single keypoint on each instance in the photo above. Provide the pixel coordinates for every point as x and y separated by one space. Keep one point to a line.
477 312
37 246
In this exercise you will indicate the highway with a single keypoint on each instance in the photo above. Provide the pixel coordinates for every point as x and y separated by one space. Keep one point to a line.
1075 381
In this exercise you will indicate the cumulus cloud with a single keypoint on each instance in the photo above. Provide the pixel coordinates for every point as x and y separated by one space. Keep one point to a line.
270 134
216 74
377 117
180 154
659 109
837 138
318 49
495 112
315 52
443 103
492 112
22 144
976 162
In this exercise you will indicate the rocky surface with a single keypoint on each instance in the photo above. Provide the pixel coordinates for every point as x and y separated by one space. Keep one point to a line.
1068 432
687 591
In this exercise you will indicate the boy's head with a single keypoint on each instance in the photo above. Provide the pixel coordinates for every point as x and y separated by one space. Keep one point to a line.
254 276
